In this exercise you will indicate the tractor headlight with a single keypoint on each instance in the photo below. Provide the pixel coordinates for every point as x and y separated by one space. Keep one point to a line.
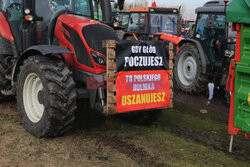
27 11
99 59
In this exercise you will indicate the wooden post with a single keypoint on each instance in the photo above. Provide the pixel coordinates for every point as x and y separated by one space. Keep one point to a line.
231 143
109 77
171 76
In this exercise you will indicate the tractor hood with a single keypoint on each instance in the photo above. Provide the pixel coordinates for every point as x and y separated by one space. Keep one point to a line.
94 38
92 32
77 22
84 38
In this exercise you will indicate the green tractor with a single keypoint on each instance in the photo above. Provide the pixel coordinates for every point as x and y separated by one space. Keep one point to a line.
204 58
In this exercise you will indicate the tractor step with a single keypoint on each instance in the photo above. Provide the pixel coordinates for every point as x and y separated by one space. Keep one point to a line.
82 93
8 76
9 92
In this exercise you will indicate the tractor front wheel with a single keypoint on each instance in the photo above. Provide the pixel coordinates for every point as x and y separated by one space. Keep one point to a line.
46 96
187 70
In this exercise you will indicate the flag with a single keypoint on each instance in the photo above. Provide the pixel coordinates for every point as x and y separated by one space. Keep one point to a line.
152 3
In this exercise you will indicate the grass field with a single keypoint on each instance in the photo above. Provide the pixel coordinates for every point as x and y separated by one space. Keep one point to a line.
181 137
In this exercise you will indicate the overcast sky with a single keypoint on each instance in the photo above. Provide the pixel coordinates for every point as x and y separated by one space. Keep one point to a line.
188 6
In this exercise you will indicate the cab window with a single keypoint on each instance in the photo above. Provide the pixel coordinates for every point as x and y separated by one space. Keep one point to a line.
210 25
97 10
48 8
166 23
201 25
13 9
82 7
133 22
143 23
125 19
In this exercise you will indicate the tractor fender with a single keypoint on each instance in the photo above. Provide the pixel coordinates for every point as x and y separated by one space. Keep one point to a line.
44 50
171 38
204 58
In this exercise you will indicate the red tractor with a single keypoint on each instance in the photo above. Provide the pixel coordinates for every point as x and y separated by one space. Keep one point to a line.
52 54
49 49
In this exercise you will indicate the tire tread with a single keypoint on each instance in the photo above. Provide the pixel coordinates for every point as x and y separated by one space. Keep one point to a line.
200 84
61 96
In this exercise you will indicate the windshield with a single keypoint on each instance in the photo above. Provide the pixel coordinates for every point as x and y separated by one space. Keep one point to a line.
189 24
125 20
133 22
166 23
209 25
138 23
122 18
47 8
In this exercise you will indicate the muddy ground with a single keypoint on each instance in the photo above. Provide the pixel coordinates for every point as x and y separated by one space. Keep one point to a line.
183 136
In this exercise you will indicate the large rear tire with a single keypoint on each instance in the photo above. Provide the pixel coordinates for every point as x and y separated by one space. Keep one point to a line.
187 70
46 96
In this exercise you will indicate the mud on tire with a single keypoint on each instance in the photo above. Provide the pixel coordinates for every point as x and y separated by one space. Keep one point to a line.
187 70
5 69
46 96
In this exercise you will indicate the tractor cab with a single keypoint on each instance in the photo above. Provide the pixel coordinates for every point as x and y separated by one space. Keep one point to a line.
145 22
33 21
214 34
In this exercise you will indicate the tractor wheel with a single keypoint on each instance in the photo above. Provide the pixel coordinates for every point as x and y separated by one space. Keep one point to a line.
5 70
46 96
142 117
187 70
